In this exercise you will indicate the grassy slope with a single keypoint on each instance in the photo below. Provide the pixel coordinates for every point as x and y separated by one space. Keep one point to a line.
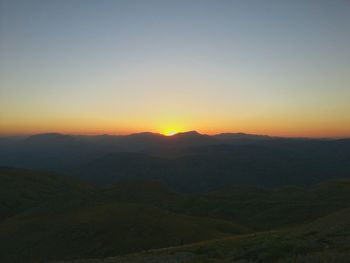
102 230
258 208
59 220
22 189
266 209
326 240
46 217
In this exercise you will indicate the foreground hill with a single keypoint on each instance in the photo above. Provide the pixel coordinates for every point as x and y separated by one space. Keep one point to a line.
101 230
325 240
258 208
22 189
46 217
51 218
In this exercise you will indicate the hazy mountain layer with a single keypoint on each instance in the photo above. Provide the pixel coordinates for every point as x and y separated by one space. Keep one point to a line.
187 162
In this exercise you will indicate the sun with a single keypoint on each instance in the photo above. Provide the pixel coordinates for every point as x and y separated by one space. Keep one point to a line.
170 132
170 129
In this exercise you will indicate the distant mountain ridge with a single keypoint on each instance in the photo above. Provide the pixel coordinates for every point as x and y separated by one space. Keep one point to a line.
150 135
187 161
243 136
193 133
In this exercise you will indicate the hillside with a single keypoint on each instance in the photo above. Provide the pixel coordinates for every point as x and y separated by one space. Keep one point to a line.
325 240
52 218
22 189
258 208
85 231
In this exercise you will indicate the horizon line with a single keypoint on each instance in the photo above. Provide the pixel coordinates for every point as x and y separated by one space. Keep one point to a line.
165 135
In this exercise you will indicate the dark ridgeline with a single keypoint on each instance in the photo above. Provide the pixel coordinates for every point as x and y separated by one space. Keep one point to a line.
188 162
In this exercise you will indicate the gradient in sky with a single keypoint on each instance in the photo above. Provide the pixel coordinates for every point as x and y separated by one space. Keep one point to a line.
98 66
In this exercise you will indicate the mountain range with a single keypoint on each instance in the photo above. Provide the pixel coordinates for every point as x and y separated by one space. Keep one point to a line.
186 162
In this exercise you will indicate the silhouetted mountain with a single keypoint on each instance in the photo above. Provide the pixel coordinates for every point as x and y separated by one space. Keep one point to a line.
242 137
51 151
191 138
49 137
141 141
187 161
53 143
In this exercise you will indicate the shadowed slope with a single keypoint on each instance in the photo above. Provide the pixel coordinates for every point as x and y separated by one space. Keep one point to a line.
22 189
326 240
55 218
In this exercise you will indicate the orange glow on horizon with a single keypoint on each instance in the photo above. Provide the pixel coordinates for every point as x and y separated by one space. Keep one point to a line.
312 133
170 125
169 131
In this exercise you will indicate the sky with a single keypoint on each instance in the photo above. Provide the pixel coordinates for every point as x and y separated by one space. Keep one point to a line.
273 67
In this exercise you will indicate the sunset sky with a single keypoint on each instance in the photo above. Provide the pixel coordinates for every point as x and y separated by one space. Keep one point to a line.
121 66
